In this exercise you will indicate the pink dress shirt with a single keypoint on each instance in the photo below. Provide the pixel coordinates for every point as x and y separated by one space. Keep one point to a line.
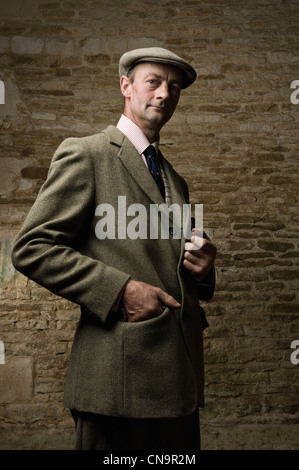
135 136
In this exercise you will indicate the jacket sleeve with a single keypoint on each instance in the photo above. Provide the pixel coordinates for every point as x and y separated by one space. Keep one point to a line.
206 287
45 249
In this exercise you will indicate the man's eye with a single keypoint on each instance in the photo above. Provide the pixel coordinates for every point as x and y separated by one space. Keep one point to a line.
175 88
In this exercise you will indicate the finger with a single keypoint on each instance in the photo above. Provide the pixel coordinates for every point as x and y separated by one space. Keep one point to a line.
195 243
167 299
209 249
194 256
200 271
198 232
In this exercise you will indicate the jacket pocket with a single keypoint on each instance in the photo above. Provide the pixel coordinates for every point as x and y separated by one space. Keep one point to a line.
158 376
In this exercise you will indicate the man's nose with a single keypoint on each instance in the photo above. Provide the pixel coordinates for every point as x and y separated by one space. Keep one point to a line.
163 91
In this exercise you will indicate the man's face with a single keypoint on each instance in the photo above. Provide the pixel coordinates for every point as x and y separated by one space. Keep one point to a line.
152 94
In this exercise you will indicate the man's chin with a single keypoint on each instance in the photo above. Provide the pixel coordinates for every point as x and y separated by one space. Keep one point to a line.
158 117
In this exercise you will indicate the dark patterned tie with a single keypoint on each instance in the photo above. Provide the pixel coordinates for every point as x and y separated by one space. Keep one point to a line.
151 156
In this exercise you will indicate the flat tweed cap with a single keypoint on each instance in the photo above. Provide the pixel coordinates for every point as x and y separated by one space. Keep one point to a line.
159 55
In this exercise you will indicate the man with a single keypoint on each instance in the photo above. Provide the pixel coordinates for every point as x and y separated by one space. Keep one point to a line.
135 378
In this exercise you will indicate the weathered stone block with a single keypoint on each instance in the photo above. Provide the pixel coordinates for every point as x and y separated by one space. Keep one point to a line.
16 380
26 45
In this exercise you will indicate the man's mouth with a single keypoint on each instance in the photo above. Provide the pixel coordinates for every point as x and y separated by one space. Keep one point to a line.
159 108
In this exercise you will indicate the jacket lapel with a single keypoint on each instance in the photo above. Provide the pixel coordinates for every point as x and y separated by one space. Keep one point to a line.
178 197
134 164
174 182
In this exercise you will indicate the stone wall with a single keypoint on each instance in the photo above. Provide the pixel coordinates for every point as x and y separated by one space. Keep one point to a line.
234 138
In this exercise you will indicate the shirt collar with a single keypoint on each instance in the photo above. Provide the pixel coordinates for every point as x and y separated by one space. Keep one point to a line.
135 134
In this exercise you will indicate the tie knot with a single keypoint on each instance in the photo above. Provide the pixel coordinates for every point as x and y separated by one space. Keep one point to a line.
150 152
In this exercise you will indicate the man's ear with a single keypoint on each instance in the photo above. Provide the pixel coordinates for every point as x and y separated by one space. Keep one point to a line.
125 86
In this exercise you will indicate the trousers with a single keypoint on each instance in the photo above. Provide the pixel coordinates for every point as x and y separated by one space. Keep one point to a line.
98 432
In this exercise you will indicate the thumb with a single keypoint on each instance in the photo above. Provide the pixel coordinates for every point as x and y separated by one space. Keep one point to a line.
167 299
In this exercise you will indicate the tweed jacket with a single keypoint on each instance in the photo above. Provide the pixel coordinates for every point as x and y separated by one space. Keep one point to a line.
152 368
